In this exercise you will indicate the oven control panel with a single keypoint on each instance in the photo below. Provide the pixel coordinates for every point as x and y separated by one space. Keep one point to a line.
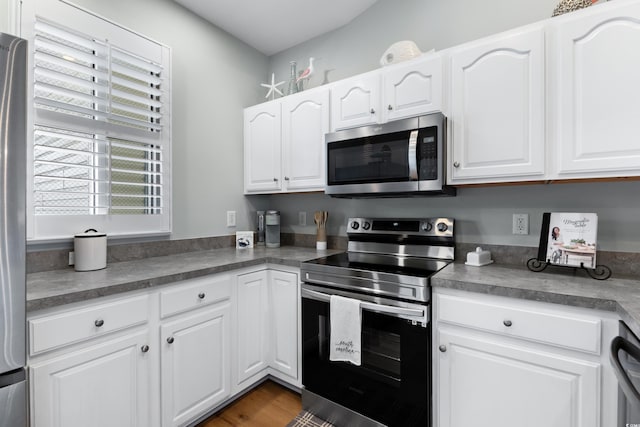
441 227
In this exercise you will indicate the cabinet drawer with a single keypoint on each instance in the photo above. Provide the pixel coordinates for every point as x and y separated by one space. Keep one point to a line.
53 331
526 320
194 293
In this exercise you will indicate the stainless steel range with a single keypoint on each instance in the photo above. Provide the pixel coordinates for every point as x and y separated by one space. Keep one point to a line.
387 268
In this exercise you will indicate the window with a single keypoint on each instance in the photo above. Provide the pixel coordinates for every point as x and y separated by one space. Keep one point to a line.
100 129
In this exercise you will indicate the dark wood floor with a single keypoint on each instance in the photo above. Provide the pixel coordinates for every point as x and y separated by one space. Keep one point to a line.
268 405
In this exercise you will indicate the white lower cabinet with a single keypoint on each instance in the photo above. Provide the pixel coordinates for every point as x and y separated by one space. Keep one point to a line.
195 369
163 357
488 383
515 371
284 297
252 324
101 385
267 327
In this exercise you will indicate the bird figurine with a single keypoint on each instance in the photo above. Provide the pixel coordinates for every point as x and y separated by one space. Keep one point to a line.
306 74
273 87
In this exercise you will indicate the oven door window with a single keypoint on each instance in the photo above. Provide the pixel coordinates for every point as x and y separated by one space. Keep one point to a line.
391 386
381 158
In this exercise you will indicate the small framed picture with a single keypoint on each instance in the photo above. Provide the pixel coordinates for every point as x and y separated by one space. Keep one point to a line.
244 239
569 239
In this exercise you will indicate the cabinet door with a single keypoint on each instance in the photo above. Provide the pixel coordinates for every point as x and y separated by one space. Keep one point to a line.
253 324
284 302
355 101
305 120
195 369
480 382
104 385
262 148
412 89
597 64
497 109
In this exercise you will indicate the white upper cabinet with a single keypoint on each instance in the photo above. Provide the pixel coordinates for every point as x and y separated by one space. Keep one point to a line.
407 89
305 120
284 144
262 148
413 88
498 108
596 64
355 101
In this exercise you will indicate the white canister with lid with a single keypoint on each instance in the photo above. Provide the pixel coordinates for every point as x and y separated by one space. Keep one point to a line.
90 250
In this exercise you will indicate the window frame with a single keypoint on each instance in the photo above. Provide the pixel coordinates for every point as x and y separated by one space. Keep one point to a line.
53 228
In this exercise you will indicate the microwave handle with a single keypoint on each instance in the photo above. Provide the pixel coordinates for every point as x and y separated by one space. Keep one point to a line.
413 155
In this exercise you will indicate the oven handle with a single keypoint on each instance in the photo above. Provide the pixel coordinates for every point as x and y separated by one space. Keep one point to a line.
378 308
413 155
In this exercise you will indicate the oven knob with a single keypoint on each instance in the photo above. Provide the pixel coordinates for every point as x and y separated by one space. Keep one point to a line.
366 226
355 225
427 226
442 227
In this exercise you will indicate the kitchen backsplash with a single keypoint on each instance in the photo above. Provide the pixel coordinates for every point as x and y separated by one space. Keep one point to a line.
623 264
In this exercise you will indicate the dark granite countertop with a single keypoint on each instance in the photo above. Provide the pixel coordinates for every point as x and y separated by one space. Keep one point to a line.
618 295
58 287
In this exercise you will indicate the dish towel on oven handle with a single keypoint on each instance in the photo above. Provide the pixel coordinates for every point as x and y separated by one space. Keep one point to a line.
346 327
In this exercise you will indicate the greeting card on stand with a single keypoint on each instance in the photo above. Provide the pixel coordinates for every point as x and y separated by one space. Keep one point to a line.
569 239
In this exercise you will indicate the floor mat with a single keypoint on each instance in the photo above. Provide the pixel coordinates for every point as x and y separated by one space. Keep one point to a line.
307 419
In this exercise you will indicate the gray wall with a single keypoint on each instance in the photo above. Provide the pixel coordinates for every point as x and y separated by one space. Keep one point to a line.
432 24
214 77
483 215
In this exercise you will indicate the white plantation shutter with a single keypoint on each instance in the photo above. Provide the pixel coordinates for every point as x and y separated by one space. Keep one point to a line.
99 137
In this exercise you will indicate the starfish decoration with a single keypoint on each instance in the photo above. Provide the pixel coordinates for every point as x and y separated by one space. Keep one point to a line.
273 87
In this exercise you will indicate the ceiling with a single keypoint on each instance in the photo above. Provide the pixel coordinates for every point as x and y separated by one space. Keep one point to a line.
272 26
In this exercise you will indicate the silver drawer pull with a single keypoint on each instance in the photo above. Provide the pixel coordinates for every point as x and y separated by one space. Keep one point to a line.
170 340
201 295
99 323
443 348
507 323
144 348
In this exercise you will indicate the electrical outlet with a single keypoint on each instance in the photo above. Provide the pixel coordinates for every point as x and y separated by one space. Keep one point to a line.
72 258
520 223
302 219
231 218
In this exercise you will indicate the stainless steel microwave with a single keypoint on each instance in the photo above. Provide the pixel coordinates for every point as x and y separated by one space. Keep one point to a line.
400 158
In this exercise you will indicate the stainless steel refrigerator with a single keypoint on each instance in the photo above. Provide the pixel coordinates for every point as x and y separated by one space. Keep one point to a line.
13 386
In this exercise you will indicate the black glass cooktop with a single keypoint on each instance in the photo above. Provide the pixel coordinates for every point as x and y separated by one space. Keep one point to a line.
393 264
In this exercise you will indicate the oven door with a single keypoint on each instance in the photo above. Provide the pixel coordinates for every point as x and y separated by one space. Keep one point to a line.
392 384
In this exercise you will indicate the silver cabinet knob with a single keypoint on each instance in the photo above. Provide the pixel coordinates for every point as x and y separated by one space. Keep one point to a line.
275 179
390 107
456 164
170 340
99 323
443 348
201 295
286 178
507 323
373 111
144 348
